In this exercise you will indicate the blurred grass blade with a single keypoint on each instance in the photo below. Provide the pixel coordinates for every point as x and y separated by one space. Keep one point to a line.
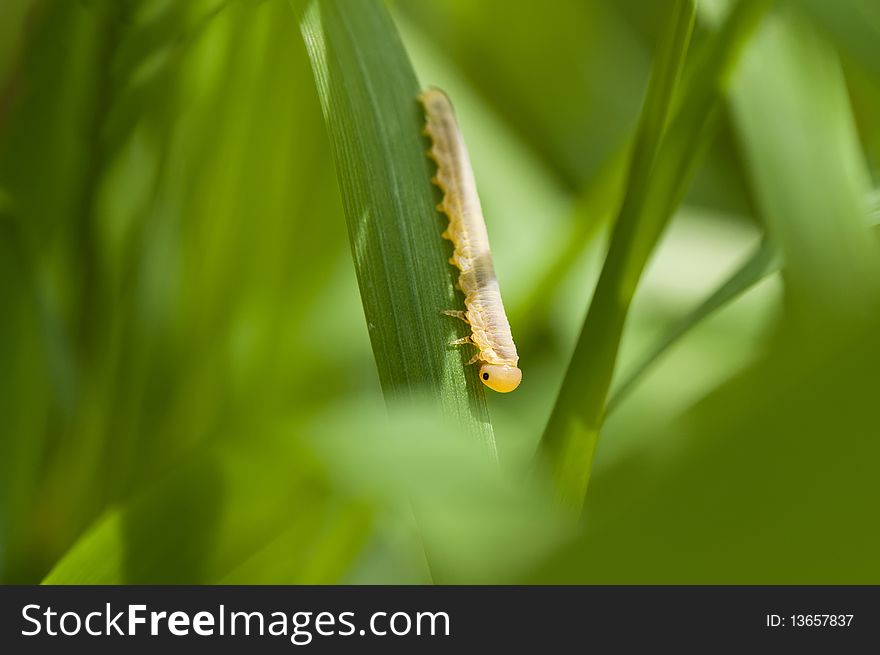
602 197
215 519
368 93
853 24
760 263
660 98
465 511
594 208
806 166
763 261
570 437
13 32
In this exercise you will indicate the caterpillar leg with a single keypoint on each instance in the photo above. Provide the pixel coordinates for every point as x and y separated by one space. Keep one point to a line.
462 341
456 313
473 360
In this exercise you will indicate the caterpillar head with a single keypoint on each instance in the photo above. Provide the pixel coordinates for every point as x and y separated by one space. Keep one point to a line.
500 377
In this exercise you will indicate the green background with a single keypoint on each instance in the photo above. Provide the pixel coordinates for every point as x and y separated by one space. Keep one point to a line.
188 392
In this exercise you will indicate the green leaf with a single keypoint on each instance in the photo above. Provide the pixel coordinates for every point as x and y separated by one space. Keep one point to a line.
164 183
593 210
854 25
762 262
368 93
769 479
216 519
807 169
13 19
658 180
566 77
464 511
47 120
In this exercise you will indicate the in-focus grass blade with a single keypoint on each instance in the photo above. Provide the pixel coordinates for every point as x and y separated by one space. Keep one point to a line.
656 184
368 93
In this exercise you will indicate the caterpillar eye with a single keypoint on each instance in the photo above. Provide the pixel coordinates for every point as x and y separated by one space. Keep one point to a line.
500 377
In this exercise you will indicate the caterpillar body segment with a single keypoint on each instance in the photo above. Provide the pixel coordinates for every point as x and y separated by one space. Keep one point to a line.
490 329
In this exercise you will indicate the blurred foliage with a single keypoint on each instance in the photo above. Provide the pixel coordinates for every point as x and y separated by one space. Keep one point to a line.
675 125
188 391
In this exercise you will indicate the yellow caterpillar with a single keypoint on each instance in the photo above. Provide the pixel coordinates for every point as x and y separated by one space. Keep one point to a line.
490 330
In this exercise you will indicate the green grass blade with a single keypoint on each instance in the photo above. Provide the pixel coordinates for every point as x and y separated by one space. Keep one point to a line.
854 25
659 101
807 169
368 93
187 526
762 262
570 437
593 210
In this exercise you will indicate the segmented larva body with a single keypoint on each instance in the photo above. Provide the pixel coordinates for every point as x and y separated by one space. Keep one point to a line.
490 330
